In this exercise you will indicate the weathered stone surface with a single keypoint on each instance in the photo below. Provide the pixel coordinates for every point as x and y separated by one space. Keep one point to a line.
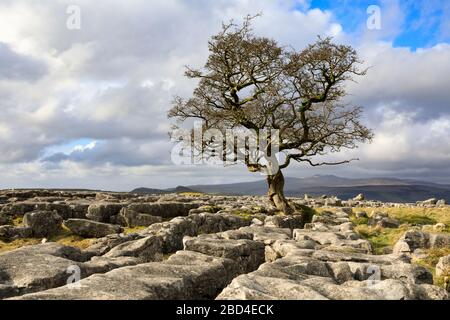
104 211
172 232
164 209
36 268
271 282
63 209
333 202
18 209
222 237
443 266
361 214
128 283
359 197
185 275
415 239
131 218
104 264
431 201
268 235
43 223
340 271
218 222
223 271
318 236
146 249
401 247
103 245
248 254
388 223
91 229
290 222
409 272
252 287
79 208
235 234
5 219
8 232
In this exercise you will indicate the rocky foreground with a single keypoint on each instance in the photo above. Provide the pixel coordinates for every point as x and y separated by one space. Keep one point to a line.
205 247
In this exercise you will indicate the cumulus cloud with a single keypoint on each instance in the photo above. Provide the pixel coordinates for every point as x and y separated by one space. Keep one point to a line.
14 66
113 80
404 80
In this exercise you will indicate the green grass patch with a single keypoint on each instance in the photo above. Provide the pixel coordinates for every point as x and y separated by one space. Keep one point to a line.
430 263
417 215
210 208
310 212
244 214
415 219
359 221
381 238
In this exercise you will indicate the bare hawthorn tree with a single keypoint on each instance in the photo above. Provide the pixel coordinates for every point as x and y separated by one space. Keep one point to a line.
251 82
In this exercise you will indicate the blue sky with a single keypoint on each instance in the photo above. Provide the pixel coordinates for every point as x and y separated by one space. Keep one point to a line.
423 23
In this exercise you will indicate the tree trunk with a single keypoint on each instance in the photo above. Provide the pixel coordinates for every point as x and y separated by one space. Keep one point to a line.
276 194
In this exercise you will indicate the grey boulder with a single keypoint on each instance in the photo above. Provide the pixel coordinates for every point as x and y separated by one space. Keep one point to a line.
91 229
43 223
132 218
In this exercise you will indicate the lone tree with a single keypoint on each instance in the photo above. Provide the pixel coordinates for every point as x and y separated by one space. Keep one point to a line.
251 82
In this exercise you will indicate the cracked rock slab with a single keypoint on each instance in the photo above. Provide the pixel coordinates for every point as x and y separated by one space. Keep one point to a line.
177 278
248 254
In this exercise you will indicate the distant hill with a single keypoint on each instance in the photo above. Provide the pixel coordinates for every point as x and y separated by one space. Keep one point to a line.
178 189
382 189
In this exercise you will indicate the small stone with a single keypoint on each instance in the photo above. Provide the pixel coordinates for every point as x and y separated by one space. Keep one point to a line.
257 222
359 197
432 201
439 226
9 232
443 266
361 214
401 247
388 223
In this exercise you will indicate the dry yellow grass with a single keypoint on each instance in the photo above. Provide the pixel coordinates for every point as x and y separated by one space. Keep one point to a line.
192 194
64 237
132 230
416 215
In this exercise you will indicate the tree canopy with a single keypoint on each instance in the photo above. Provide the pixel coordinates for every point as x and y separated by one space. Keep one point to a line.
252 82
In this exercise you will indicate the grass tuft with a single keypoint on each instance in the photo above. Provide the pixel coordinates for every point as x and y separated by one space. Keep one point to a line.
128 230
433 256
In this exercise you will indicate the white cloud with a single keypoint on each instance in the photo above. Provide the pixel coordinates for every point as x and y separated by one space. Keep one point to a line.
112 82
